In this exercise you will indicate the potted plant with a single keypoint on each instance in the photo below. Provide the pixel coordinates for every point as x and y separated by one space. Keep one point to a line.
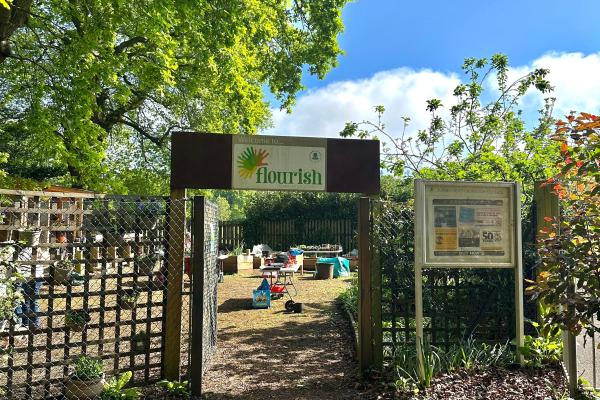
87 380
128 299
76 320
30 236
62 271
140 342
61 237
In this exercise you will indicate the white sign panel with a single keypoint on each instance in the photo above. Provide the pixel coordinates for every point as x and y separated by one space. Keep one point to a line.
468 224
279 163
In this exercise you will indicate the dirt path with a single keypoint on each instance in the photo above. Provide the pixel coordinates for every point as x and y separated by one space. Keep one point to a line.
264 354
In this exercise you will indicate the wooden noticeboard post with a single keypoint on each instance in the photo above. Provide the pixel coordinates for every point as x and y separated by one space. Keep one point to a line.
467 225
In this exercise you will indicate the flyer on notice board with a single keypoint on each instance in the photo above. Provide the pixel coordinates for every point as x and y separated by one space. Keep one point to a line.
464 227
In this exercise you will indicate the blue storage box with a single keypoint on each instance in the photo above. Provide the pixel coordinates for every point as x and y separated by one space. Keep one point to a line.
261 298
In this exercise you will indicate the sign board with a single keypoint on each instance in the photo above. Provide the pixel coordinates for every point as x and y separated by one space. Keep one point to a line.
468 225
277 162
258 162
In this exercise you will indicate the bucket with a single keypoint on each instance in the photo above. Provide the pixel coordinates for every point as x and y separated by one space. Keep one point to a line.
324 271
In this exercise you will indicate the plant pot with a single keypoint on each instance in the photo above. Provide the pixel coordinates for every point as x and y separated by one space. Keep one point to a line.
31 238
61 237
324 271
84 390
61 274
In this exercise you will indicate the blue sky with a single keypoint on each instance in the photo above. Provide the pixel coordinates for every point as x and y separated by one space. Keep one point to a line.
386 34
400 53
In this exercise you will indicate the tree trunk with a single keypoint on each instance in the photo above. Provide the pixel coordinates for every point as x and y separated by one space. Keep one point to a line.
10 21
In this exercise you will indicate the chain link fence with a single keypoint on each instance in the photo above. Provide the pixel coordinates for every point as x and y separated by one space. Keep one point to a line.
85 277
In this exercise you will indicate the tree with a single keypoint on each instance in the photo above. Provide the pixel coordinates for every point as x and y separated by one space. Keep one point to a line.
76 75
476 141
569 277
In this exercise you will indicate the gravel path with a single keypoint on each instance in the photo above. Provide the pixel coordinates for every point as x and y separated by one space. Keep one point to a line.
264 354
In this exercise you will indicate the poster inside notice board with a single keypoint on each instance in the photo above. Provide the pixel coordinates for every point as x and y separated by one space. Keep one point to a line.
469 224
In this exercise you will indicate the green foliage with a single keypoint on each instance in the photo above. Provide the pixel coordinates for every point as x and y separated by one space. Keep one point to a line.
470 354
83 80
569 278
349 297
76 317
281 206
10 295
176 390
477 141
413 375
546 346
87 369
115 388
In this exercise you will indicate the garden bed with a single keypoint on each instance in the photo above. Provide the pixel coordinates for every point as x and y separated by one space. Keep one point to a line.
484 384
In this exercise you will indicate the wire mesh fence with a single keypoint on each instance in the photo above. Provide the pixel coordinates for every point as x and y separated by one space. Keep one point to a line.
458 303
84 276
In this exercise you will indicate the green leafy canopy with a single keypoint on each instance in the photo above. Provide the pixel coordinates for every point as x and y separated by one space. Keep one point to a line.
81 76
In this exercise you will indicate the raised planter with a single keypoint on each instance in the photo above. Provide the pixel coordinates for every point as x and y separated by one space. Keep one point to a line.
324 271
236 264
310 264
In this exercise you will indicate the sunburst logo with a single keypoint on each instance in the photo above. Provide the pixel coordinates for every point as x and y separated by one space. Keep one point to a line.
249 161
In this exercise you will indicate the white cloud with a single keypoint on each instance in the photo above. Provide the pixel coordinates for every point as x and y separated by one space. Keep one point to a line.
576 81
404 91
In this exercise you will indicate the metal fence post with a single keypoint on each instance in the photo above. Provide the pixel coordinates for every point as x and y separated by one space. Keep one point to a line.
197 308
172 361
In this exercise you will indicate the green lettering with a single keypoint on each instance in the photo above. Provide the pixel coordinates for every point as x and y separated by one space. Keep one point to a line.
316 177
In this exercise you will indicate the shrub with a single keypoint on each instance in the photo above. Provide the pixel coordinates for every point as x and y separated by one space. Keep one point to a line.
176 390
349 297
115 388
570 252
87 369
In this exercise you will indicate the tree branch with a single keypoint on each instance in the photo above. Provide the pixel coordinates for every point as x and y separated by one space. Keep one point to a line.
121 47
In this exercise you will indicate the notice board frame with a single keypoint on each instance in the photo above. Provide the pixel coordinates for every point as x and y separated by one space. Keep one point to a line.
420 250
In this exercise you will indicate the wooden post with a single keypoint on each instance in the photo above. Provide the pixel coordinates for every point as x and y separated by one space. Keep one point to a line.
547 204
419 246
365 305
519 309
176 230
196 351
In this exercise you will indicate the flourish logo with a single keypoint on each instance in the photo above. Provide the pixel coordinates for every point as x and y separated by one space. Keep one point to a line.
249 161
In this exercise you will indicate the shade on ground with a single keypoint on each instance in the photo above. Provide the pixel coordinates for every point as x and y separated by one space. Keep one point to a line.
264 354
